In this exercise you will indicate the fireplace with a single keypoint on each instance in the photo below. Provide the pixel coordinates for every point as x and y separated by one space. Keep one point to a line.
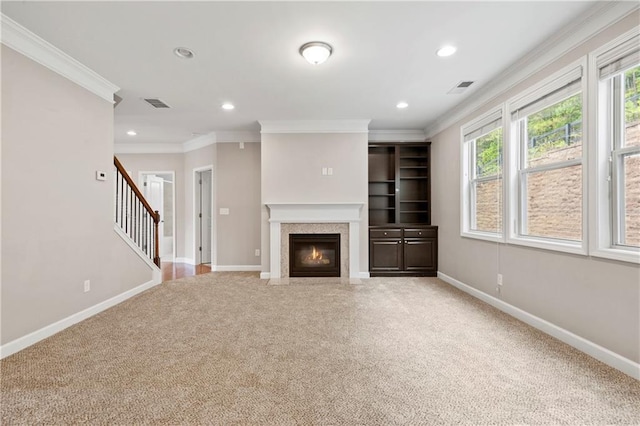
314 218
314 255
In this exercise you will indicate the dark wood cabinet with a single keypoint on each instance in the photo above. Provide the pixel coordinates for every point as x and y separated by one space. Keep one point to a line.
403 251
401 240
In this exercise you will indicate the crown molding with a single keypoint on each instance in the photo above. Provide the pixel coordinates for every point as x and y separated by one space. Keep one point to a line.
592 22
166 148
237 136
35 48
409 135
314 126
199 142
148 148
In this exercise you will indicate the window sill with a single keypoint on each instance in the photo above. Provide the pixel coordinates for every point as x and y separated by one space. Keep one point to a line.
617 254
486 236
548 244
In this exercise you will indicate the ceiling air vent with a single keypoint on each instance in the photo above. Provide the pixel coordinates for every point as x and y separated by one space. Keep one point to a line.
460 87
157 103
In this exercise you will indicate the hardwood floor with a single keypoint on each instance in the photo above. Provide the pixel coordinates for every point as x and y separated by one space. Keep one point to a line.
172 271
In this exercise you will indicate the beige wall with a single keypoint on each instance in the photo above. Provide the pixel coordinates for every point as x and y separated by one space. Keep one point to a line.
596 299
291 173
236 180
136 163
57 219
238 189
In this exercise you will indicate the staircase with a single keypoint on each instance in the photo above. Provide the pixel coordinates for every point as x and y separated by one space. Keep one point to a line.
134 216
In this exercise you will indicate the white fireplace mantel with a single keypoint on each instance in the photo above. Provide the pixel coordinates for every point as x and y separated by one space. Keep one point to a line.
314 213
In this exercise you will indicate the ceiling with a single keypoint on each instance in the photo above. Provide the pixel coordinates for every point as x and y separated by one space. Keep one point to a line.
246 53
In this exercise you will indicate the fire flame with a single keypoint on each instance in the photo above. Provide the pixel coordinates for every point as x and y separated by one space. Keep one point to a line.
315 254
315 258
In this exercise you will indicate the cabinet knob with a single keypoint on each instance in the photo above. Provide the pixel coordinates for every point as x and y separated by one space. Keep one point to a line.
406 242
419 233
399 242
385 233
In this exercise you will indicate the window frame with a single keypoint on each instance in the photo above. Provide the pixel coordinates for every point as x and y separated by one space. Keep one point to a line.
604 177
468 176
515 153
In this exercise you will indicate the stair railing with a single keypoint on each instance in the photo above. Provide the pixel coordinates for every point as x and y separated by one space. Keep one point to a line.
135 216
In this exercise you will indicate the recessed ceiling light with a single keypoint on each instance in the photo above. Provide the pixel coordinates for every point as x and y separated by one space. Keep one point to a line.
446 51
183 52
132 133
227 106
316 52
402 105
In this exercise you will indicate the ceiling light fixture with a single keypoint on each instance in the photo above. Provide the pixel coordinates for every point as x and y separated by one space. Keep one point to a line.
402 105
316 52
132 133
183 52
446 51
227 106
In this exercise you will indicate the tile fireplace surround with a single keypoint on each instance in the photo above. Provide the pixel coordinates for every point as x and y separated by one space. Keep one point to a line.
342 218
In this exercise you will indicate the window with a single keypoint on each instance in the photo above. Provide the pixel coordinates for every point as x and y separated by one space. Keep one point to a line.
547 164
553 198
482 177
618 149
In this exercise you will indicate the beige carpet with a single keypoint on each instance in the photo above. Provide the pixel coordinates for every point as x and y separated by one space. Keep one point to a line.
224 348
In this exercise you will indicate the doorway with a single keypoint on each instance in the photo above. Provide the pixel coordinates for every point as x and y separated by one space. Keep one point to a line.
158 189
203 215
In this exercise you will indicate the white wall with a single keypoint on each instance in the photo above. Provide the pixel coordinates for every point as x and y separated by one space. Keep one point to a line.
57 219
596 299
291 173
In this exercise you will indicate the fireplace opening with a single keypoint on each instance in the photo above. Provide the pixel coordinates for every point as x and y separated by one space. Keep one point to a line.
314 255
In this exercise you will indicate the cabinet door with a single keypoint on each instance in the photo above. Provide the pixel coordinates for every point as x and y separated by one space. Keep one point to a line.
385 255
420 255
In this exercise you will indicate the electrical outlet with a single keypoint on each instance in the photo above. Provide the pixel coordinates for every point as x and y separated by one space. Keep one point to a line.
499 279
257 252
87 285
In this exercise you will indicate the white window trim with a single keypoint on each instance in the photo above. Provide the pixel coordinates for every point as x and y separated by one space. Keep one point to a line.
511 166
600 226
465 185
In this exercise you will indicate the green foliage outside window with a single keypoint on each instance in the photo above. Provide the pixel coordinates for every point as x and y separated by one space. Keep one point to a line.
488 153
632 95
552 128
555 127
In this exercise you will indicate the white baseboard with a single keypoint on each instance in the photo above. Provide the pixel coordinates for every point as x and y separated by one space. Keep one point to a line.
365 275
598 352
236 268
49 330
185 260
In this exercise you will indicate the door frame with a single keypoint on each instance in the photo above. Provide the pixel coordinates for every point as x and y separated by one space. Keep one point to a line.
214 254
141 175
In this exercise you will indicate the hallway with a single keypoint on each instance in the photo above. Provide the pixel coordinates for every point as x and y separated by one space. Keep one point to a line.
172 271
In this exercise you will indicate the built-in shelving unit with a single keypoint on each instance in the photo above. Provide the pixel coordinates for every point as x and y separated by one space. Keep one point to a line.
402 242
399 187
